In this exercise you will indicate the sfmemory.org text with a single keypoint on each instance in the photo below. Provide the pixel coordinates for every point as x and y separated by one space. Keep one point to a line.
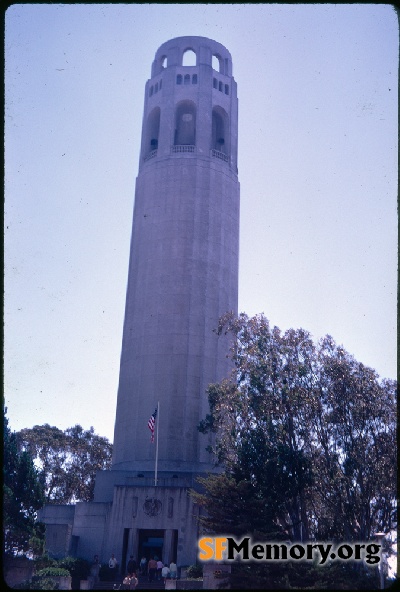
228 549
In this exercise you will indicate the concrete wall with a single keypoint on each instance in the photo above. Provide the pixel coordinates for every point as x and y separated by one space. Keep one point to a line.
173 509
59 521
90 526
182 278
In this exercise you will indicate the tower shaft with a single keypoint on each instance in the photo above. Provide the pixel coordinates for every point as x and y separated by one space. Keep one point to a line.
183 270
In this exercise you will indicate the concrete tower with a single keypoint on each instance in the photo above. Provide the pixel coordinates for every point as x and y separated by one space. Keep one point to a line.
183 275
183 271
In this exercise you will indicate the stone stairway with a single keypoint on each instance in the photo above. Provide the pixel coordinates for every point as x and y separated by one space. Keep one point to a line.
143 584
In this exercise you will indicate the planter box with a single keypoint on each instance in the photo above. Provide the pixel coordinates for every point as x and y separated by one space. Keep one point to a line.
64 582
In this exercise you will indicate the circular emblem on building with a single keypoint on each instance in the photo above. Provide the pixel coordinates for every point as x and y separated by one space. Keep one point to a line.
152 506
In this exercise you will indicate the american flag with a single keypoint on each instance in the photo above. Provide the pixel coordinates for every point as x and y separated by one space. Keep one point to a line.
151 424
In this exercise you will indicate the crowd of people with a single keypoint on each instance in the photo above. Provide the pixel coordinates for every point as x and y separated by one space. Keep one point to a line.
151 571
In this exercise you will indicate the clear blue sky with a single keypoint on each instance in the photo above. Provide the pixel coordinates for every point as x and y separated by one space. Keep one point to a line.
318 133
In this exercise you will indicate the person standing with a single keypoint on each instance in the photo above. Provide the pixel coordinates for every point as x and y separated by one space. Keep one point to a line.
134 581
152 569
112 564
94 572
131 567
165 573
142 565
160 565
130 581
173 570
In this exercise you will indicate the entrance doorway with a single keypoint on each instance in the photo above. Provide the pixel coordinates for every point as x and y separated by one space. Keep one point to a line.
151 544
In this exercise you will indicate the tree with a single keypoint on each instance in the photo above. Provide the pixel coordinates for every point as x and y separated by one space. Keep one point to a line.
305 437
67 459
355 421
23 495
262 418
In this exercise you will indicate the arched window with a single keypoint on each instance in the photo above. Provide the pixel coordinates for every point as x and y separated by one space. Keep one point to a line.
164 62
226 88
216 63
220 86
185 124
215 83
152 131
220 131
156 87
194 79
179 79
187 79
189 58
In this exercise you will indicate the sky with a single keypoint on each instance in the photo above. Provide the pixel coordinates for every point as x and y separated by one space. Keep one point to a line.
318 142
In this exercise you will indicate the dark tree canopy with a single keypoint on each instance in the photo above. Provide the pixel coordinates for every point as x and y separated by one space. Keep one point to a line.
67 459
306 439
23 495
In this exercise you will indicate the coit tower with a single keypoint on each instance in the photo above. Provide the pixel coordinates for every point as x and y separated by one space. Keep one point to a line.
183 276
183 269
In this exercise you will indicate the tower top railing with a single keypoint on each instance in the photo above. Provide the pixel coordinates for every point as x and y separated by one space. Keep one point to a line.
171 53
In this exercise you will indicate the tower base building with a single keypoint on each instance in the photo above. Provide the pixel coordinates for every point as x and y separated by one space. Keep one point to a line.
183 276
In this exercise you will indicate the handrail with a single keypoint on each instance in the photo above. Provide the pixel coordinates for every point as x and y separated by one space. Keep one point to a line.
218 154
151 154
183 148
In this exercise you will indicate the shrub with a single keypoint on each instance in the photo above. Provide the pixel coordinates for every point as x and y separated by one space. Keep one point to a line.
194 571
78 568
53 572
44 561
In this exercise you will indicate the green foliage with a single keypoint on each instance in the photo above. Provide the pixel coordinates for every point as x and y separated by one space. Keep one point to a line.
77 567
294 576
236 507
194 571
68 460
306 439
47 569
45 579
53 572
23 495
38 583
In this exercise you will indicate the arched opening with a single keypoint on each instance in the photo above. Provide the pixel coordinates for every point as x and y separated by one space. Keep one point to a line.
189 58
220 131
163 62
185 124
186 80
216 63
152 132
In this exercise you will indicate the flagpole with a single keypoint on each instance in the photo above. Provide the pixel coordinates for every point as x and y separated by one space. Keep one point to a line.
158 421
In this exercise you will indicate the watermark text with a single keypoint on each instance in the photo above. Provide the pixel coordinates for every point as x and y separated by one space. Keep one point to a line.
226 548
